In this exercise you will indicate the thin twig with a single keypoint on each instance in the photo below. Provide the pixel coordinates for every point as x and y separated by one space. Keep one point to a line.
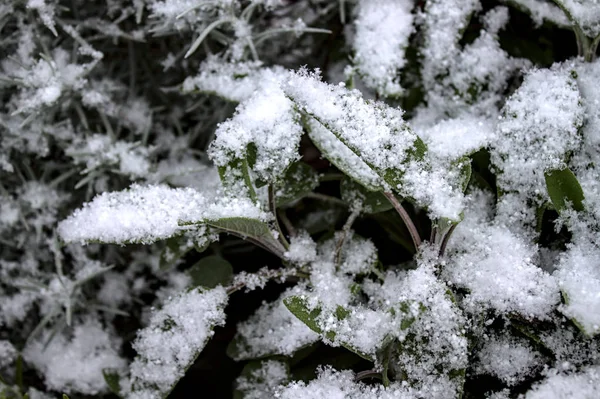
414 234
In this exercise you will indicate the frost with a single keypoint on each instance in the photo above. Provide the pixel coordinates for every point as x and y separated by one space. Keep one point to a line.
175 336
98 150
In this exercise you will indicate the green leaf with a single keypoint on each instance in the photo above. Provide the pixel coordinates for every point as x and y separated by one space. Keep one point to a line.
299 180
372 201
211 271
64 396
112 379
299 308
564 189
254 230
465 172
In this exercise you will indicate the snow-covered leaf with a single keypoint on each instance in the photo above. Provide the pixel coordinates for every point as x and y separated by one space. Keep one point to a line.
175 336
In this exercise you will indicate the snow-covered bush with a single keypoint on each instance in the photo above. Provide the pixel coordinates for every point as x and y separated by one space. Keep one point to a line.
300 199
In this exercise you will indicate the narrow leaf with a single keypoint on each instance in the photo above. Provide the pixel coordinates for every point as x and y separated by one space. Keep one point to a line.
564 190
112 379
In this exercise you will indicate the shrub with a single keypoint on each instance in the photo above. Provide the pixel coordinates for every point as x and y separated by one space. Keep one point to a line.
361 199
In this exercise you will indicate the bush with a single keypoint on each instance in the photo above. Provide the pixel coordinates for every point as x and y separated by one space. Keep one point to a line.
300 199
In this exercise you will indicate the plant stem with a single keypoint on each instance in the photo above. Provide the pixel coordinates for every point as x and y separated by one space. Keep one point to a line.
342 239
326 198
367 374
287 223
446 239
273 207
414 234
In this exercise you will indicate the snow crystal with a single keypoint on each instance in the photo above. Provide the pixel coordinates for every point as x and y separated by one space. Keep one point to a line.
141 213
457 137
98 150
436 338
173 339
383 28
357 254
75 364
340 384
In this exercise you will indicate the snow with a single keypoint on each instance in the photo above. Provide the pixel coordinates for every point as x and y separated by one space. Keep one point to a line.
374 131
75 363
541 10
508 359
383 28
8 354
149 213
539 127
267 120
262 382
582 385
586 13
302 249
232 81
578 276
174 337
272 330
498 268
342 156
